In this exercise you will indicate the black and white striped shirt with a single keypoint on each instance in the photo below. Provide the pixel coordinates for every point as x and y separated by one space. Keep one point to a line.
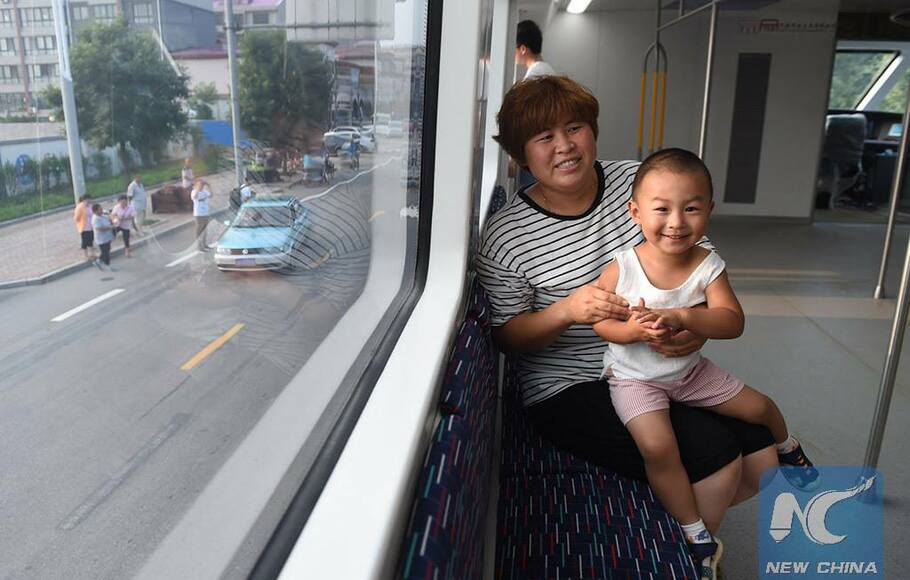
529 258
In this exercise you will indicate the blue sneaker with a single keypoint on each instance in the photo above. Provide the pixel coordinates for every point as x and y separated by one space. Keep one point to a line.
705 556
798 470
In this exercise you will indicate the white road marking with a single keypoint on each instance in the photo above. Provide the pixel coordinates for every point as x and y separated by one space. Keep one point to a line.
87 305
183 259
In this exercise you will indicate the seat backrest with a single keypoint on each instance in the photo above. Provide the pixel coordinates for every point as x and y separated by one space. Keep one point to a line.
445 535
844 138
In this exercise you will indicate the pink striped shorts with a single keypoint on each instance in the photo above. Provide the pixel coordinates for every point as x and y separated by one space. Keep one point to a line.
706 385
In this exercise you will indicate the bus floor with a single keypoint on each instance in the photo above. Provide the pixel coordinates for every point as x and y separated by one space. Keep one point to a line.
815 342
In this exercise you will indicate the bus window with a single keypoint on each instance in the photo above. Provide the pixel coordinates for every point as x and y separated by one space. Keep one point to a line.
144 387
896 99
854 73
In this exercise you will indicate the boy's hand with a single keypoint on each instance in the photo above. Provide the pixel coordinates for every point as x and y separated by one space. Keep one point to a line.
682 343
670 318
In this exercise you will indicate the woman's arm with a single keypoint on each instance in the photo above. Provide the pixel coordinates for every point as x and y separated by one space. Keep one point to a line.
532 331
723 318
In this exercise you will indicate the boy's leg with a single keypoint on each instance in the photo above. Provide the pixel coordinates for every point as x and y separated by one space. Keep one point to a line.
654 437
754 407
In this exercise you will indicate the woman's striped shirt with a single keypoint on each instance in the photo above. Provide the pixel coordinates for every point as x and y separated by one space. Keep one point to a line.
529 258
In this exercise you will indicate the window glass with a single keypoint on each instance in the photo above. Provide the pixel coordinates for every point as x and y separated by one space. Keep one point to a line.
896 99
248 244
853 75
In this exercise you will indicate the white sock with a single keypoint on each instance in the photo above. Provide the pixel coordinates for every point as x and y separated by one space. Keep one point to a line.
696 532
789 444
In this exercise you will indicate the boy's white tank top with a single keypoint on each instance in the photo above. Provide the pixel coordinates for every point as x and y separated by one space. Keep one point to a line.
638 361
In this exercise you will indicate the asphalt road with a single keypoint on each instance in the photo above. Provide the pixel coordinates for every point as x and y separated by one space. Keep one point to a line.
123 392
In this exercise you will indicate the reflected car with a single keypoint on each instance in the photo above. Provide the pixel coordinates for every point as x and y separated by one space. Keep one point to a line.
263 235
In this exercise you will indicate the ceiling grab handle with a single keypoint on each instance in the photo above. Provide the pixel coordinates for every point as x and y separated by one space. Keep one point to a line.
657 85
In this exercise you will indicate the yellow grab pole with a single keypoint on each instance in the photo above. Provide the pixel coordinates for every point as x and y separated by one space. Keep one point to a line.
663 109
653 116
641 111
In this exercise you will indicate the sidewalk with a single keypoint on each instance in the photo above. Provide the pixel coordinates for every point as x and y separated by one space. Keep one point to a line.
48 244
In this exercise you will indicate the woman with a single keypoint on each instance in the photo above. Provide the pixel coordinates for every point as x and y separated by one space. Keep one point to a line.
539 259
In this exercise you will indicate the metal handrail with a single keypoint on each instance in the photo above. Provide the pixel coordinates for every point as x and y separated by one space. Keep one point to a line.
892 358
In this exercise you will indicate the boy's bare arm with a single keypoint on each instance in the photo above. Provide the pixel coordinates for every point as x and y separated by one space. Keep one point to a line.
621 331
723 318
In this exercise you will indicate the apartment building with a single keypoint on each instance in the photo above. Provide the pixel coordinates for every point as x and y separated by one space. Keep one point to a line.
28 46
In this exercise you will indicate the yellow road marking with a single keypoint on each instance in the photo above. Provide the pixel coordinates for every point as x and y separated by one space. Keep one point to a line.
212 347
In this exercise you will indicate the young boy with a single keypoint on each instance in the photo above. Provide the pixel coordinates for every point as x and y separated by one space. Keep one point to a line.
670 277
104 235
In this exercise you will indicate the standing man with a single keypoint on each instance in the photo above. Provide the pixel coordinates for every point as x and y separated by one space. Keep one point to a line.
200 196
135 193
528 46
82 215
186 174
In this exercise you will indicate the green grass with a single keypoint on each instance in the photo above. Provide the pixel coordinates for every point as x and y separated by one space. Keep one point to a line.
32 203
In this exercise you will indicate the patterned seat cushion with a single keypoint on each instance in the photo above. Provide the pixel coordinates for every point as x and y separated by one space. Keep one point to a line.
471 373
559 516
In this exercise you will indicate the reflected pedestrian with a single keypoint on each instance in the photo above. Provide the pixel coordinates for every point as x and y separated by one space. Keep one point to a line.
186 174
123 216
82 215
135 193
104 235
246 190
200 196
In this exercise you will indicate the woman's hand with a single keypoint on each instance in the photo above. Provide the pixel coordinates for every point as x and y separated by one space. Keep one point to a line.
680 344
590 304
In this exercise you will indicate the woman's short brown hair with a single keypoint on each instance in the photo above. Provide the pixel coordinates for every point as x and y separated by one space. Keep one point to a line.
537 104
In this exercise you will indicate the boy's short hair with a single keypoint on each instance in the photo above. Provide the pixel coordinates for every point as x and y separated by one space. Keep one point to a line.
674 160
536 104
529 34
84 197
96 207
122 198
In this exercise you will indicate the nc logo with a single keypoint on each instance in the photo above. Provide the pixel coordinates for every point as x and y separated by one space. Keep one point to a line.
813 518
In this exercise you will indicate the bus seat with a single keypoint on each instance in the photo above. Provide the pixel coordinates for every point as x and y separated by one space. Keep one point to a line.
559 516
445 534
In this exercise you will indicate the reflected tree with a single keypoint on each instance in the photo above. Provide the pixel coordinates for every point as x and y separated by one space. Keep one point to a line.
126 93
284 88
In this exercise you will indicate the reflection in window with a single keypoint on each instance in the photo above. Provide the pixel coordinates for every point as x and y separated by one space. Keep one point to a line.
264 217
853 75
